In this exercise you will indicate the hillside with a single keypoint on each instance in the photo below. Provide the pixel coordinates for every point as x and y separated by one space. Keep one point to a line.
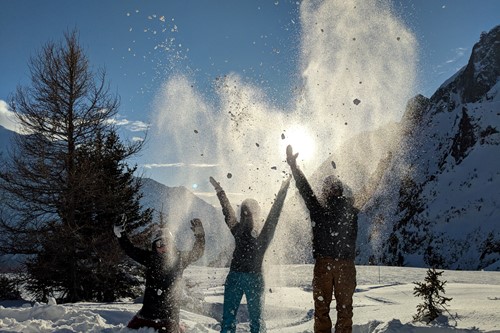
438 201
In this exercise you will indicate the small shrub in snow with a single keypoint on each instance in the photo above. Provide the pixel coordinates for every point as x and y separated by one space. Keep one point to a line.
431 291
9 289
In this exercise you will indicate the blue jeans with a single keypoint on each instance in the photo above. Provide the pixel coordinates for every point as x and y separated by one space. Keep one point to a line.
237 284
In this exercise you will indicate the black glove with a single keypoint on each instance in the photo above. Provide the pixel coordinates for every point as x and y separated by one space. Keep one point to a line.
215 184
119 229
291 159
197 227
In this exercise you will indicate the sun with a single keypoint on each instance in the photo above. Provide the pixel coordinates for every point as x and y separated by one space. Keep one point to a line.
301 140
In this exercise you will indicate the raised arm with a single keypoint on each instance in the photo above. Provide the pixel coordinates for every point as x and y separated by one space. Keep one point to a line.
227 209
301 182
198 249
267 233
138 254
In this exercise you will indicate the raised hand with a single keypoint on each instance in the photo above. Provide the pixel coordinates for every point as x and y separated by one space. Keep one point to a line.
291 159
119 229
215 184
197 227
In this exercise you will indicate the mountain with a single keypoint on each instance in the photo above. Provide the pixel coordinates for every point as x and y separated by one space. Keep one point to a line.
438 201
6 138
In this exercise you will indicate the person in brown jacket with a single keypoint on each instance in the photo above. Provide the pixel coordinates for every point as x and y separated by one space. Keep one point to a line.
334 227
334 230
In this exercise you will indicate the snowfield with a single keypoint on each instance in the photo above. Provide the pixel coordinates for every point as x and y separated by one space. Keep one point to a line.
383 302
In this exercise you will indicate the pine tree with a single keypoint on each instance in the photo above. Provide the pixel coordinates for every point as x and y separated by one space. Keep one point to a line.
67 180
431 291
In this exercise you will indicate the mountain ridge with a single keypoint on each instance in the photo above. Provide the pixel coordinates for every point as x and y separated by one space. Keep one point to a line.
438 203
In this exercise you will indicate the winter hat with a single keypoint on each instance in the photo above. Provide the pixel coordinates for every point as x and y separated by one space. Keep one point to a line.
161 234
252 206
332 182
249 206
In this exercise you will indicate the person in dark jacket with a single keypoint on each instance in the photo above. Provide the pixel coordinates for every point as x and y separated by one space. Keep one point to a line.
334 230
245 274
164 267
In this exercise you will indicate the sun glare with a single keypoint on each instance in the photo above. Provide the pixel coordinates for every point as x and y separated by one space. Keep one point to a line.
301 141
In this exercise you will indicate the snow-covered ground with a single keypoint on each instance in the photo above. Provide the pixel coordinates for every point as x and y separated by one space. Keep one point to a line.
383 302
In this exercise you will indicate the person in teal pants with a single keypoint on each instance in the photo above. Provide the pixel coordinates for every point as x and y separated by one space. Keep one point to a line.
245 273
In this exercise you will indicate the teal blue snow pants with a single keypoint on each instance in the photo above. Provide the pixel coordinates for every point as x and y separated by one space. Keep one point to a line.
237 284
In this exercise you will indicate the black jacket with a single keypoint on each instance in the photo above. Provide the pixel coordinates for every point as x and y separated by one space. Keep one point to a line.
334 224
249 250
163 277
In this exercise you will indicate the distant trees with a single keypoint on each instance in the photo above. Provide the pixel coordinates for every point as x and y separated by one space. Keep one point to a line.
67 181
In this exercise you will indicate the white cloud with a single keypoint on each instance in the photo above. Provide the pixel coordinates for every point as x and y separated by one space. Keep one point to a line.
458 54
162 165
133 126
137 126
8 118
177 165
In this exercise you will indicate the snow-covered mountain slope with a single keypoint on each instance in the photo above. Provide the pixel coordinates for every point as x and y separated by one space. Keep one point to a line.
6 137
438 203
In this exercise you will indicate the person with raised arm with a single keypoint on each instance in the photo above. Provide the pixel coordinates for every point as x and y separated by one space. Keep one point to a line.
334 231
245 274
164 267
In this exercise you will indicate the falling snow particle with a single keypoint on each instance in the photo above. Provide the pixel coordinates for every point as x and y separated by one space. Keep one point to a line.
356 101
320 298
229 175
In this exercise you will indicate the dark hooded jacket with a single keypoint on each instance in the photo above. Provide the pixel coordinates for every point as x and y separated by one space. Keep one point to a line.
250 249
334 223
163 277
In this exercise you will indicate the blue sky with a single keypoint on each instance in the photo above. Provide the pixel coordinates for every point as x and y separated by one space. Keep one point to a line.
143 44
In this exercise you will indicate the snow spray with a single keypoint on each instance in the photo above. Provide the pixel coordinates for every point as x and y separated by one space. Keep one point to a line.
357 71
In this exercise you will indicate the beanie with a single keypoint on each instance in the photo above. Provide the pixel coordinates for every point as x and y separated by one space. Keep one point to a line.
333 181
161 234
